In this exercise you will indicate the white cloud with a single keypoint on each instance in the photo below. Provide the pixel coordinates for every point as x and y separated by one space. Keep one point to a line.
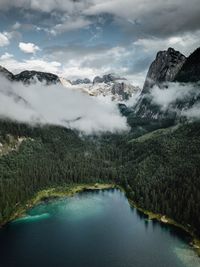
4 40
72 65
9 62
58 105
164 97
28 48
185 43
6 56
193 113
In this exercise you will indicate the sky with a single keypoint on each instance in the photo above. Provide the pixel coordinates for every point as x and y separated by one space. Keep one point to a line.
85 38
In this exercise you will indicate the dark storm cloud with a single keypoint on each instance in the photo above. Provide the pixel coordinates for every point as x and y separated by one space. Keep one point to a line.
137 16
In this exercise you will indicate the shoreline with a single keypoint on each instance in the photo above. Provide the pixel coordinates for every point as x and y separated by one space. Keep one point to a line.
53 193
195 241
73 189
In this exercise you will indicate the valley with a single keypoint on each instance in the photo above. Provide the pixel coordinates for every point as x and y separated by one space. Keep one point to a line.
155 161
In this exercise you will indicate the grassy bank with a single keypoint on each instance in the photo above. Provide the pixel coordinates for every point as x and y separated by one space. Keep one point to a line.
55 192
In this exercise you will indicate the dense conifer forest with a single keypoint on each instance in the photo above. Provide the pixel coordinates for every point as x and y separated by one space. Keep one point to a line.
159 170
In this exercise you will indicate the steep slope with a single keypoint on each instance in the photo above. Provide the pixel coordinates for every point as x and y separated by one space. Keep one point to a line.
190 71
164 68
173 67
5 73
163 173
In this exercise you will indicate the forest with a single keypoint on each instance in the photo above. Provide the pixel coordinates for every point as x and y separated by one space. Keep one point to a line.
159 170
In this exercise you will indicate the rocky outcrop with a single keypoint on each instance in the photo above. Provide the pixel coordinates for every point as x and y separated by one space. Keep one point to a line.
5 73
107 78
28 77
81 81
190 71
164 68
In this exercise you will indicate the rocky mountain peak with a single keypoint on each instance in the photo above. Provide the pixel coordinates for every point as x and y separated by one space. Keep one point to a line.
81 81
164 68
31 76
107 78
190 71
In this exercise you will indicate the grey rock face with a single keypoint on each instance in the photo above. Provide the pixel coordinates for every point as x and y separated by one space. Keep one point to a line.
107 78
81 81
120 89
30 76
5 73
190 72
98 79
164 68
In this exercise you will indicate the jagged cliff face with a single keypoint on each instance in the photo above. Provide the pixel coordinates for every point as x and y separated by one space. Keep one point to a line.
117 89
164 68
107 78
28 77
5 73
32 76
190 72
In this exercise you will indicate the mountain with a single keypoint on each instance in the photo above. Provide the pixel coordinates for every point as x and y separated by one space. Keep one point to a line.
164 68
109 85
28 77
190 71
5 73
107 78
81 81
118 89
148 114
174 67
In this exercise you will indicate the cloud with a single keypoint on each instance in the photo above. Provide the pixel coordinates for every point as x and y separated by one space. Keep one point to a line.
185 43
70 24
135 32
58 105
181 99
4 40
6 56
16 26
9 62
89 61
28 48
164 97
192 113
156 18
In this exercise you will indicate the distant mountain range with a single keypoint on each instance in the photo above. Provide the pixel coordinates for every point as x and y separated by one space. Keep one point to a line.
118 89
169 66
110 85
156 162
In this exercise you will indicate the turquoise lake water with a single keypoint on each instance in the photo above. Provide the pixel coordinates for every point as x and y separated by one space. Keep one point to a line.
92 229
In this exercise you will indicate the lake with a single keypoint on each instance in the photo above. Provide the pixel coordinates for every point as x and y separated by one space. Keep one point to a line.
92 229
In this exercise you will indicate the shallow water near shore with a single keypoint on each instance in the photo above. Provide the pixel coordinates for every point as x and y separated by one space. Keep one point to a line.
92 229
